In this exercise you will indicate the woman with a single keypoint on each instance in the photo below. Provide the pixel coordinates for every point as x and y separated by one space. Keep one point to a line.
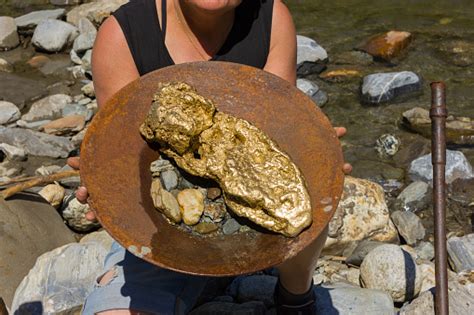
145 35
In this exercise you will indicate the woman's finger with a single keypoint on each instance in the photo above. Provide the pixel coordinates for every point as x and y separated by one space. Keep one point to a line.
347 168
340 131
82 194
74 162
90 215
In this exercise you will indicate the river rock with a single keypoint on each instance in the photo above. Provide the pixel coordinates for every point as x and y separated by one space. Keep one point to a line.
30 20
385 87
5 66
87 61
340 75
312 90
60 280
76 140
309 50
101 237
461 302
191 203
254 288
88 89
96 11
459 130
457 166
458 52
54 194
85 26
65 126
461 252
165 201
54 35
8 33
49 107
362 249
409 226
389 268
387 145
77 109
36 143
425 251
344 299
170 179
29 227
84 42
74 213
414 197
13 153
47 170
228 308
387 46
362 214
8 113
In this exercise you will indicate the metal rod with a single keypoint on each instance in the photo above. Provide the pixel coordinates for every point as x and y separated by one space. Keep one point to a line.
438 116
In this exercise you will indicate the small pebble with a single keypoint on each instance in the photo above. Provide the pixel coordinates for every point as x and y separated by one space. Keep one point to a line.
213 193
231 226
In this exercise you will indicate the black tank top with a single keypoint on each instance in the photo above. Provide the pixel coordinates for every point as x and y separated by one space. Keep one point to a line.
247 43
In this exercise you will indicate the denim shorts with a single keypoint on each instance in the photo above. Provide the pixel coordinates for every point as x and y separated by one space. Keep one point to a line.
141 286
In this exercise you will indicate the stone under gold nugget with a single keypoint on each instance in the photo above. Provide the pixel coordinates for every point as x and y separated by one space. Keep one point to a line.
257 179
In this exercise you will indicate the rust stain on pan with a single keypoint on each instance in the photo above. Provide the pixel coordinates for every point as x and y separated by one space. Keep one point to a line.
115 167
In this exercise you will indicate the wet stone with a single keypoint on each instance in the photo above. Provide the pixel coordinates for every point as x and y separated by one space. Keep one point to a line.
385 87
387 46
387 145
313 91
170 179
231 226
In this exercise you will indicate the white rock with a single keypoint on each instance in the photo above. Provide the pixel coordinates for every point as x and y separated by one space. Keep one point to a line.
84 42
309 50
86 26
191 202
391 269
88 89
32 19
54 35
362 214
383 87
47 170
75 57
8 33
96 11
87 60
101 237
49 108
312 90
457 166
8 112
13 153
60 280
5 66
74 213
54 194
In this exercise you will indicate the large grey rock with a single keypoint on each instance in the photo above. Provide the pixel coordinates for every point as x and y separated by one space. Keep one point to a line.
312 90
96 11
8 33
60 279
85 26
457 166
47 108
415 196
343 299
54 35
384 87
29 227
389 268
461 252
409 226
362 214
36 143
30 20
8 112
228 308
461 302
13 153
84 42
74 213
309 51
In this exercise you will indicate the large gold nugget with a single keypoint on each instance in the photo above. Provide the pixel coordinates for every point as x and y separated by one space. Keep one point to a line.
258 180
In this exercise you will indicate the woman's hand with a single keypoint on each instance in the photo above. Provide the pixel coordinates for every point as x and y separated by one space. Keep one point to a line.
81 192
340 132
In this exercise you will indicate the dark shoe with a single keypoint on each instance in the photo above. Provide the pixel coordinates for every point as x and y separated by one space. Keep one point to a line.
290 304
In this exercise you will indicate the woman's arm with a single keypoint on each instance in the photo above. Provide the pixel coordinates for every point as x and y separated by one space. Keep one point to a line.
112 62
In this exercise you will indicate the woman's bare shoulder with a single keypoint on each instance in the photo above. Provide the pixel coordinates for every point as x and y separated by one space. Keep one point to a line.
113 66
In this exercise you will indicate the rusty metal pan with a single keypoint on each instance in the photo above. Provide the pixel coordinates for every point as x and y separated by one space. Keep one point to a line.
115 167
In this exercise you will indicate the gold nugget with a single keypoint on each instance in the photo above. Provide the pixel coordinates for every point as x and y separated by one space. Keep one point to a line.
258 180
